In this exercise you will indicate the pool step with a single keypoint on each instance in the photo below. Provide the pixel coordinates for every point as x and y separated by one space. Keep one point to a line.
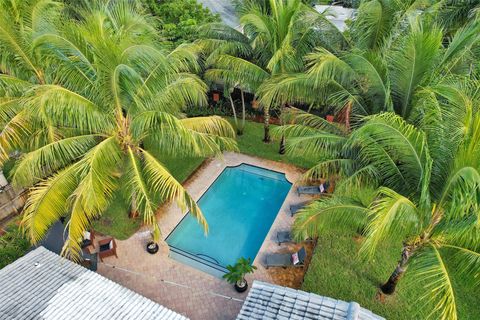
203 262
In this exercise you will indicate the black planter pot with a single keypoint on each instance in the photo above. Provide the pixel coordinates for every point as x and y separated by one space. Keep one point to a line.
240 288
152 247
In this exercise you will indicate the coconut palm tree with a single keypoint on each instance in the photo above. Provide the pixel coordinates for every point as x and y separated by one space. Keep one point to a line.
418 185
218 39
280 34
372 81
96 112
456 13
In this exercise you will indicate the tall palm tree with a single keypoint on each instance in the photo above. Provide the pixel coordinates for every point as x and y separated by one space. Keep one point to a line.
371 81
280 33
418 185
95 114
218 39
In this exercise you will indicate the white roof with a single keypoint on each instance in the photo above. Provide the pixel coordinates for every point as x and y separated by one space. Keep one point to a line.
267 301
43 285
336 14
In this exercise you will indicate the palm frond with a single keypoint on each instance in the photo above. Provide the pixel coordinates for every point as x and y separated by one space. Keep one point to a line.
392 216
429 266
163 183
327 213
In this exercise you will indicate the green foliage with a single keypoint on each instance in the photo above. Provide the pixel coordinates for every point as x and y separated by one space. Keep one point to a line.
238 271
179 19
337 271
13 245
86 127
425 199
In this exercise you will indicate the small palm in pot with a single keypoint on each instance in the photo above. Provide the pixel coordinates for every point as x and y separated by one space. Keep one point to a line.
236 273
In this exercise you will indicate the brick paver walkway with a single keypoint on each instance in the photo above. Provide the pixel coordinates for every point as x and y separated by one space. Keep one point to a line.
184 289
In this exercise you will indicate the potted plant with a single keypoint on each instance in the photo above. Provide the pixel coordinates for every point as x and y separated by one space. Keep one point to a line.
152 246
236 274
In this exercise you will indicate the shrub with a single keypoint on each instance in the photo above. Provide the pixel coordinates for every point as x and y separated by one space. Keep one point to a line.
13 245
180 18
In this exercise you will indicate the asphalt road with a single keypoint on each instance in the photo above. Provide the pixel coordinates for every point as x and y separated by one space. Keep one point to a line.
224 8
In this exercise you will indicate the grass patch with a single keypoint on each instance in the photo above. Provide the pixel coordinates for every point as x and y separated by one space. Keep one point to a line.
13 244
251 143
336 271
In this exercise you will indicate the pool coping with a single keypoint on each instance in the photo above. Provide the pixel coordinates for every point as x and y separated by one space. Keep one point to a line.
200 260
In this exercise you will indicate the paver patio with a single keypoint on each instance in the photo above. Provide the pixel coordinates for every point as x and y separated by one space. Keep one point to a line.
184 289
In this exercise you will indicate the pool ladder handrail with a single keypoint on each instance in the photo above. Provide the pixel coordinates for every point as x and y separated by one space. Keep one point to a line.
207 256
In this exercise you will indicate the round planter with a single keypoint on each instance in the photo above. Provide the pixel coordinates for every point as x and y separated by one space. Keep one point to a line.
152 247
241 288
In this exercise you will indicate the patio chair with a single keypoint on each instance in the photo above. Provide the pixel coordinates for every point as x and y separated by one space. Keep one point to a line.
106 248
312 190
285 260
286 236
89 260
294 208
87 239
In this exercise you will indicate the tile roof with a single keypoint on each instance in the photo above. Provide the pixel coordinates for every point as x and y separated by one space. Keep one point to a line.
267 301
43 285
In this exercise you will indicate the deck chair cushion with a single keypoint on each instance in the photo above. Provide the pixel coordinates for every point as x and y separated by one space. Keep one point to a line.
322 188
295 259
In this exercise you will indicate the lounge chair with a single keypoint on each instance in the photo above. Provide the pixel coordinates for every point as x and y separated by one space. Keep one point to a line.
294 208
284 260
286 236
312 190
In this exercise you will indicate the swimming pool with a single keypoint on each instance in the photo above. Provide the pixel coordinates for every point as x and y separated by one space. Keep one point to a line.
240 207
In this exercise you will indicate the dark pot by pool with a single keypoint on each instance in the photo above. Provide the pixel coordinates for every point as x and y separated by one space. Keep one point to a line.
241 286
152 247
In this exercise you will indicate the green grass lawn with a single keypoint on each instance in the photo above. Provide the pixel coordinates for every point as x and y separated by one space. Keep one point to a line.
336 271
251 143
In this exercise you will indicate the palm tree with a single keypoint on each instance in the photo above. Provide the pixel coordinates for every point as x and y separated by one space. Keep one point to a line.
371 81
105 104
456 13
280 34
411 184
218 39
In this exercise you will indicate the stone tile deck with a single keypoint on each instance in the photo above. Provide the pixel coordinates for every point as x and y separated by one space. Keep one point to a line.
184 289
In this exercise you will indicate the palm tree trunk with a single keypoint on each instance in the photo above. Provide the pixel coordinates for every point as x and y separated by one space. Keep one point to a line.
282 140
242 126
282 145
233 110
390 286
266 125
133 208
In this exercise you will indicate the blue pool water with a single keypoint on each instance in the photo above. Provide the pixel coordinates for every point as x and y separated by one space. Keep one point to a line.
240 207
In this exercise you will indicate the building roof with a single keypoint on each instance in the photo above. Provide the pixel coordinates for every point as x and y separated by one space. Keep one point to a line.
337 15
267 301
43 285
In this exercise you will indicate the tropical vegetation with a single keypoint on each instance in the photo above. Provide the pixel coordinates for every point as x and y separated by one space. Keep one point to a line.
276 36
92 112
405 157
85 101
179 19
